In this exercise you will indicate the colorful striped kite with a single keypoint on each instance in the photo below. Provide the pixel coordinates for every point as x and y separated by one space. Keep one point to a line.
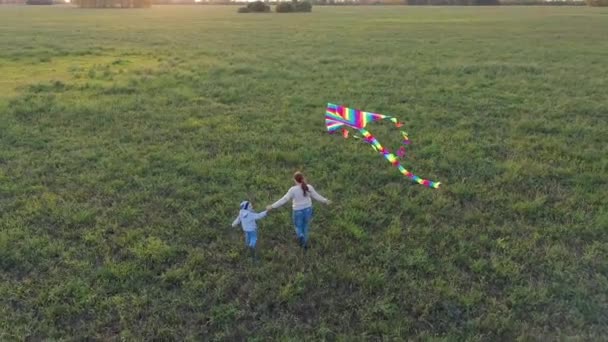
337 117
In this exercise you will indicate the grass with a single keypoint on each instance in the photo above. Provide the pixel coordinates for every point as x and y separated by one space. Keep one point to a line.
128 139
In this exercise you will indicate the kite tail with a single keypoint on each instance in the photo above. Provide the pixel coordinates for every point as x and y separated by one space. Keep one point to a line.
370 139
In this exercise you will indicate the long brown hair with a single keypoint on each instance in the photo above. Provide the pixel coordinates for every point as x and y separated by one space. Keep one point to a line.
299 177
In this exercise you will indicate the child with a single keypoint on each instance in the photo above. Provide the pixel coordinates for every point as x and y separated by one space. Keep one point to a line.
247 218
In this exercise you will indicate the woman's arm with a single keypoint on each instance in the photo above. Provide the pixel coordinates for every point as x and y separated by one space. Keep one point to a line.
282 201
316 195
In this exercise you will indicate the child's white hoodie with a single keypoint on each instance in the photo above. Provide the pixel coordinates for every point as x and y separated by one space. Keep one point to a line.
248 218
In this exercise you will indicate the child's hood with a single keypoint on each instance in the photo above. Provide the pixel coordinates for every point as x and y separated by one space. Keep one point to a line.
245 209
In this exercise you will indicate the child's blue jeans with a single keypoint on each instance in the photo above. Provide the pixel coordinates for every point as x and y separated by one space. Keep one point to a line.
301 219
251 238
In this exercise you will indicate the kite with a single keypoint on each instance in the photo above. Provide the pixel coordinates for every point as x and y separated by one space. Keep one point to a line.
339 117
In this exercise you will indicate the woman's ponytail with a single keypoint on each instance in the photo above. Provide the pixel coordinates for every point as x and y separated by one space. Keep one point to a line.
299 177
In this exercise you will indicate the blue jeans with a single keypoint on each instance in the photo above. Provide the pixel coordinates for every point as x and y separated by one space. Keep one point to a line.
301 219
251 238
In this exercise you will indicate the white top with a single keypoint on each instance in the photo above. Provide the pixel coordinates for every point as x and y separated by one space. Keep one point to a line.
299 201
247 219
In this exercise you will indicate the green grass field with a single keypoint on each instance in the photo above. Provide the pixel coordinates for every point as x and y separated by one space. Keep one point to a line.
129 137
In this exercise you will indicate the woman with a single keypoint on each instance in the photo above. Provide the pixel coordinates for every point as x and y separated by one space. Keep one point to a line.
301 195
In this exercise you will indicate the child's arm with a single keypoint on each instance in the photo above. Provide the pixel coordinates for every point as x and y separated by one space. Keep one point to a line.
261 215
236 221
